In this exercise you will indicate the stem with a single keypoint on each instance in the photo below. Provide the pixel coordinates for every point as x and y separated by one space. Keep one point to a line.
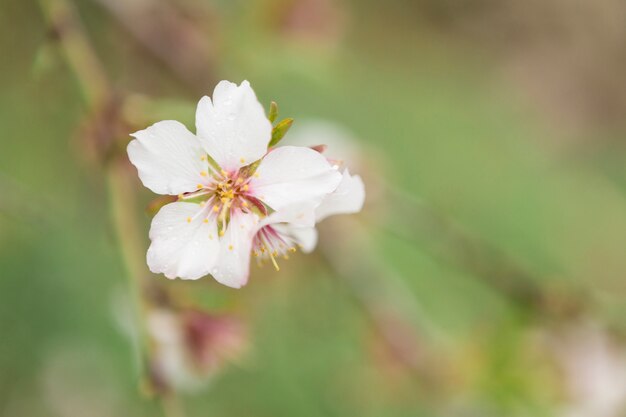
64 23
96 88
122 207
420 225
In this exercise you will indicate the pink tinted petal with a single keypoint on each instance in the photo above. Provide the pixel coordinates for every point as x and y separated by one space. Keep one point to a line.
284 229
292 175
183 245
233 266
233 127
167 157
347 198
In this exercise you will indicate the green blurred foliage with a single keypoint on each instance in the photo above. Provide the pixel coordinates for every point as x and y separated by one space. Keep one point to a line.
442 118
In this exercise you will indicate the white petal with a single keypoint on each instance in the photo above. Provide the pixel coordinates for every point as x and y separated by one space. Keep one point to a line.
167 157
300 215
233 128
183 245
296 223
291 175
347 198
233 266
306 238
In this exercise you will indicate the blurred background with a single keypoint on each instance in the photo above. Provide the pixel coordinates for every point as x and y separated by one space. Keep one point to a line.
484 277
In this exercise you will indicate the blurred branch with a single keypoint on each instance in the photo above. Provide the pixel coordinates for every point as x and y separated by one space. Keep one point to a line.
394 315
171 36
419 224
66 26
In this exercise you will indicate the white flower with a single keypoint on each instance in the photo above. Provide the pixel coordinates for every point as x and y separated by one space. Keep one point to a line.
226 182
282 232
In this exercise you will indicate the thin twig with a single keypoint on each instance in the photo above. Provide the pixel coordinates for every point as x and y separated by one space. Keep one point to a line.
393 313
81 58
418 224
177 40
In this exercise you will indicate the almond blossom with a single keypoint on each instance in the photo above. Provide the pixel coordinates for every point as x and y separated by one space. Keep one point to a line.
282 232
227 183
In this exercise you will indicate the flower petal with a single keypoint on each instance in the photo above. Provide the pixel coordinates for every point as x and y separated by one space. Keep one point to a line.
347 198
167 157
300 215
233 128
306 238
291 175
295 223
233 266
183 245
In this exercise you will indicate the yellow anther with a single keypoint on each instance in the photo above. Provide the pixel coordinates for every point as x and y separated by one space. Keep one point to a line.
242 160
239 180
188 219
245 187
230 247
224 173
274 261
256 175
199 186
203 173
292 249
205 220
244 204
180 196
221 233
203 157
255 254
216 208
274 253
224 200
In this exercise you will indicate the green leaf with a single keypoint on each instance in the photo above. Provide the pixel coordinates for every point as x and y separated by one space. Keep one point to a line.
273 112
280 130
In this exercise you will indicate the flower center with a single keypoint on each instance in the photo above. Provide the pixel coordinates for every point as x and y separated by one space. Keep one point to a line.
223 193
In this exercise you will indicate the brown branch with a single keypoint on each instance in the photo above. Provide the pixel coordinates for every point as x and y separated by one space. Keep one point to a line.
171 36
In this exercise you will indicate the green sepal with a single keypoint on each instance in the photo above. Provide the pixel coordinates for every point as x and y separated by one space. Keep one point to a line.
197 199
273 112
280 130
